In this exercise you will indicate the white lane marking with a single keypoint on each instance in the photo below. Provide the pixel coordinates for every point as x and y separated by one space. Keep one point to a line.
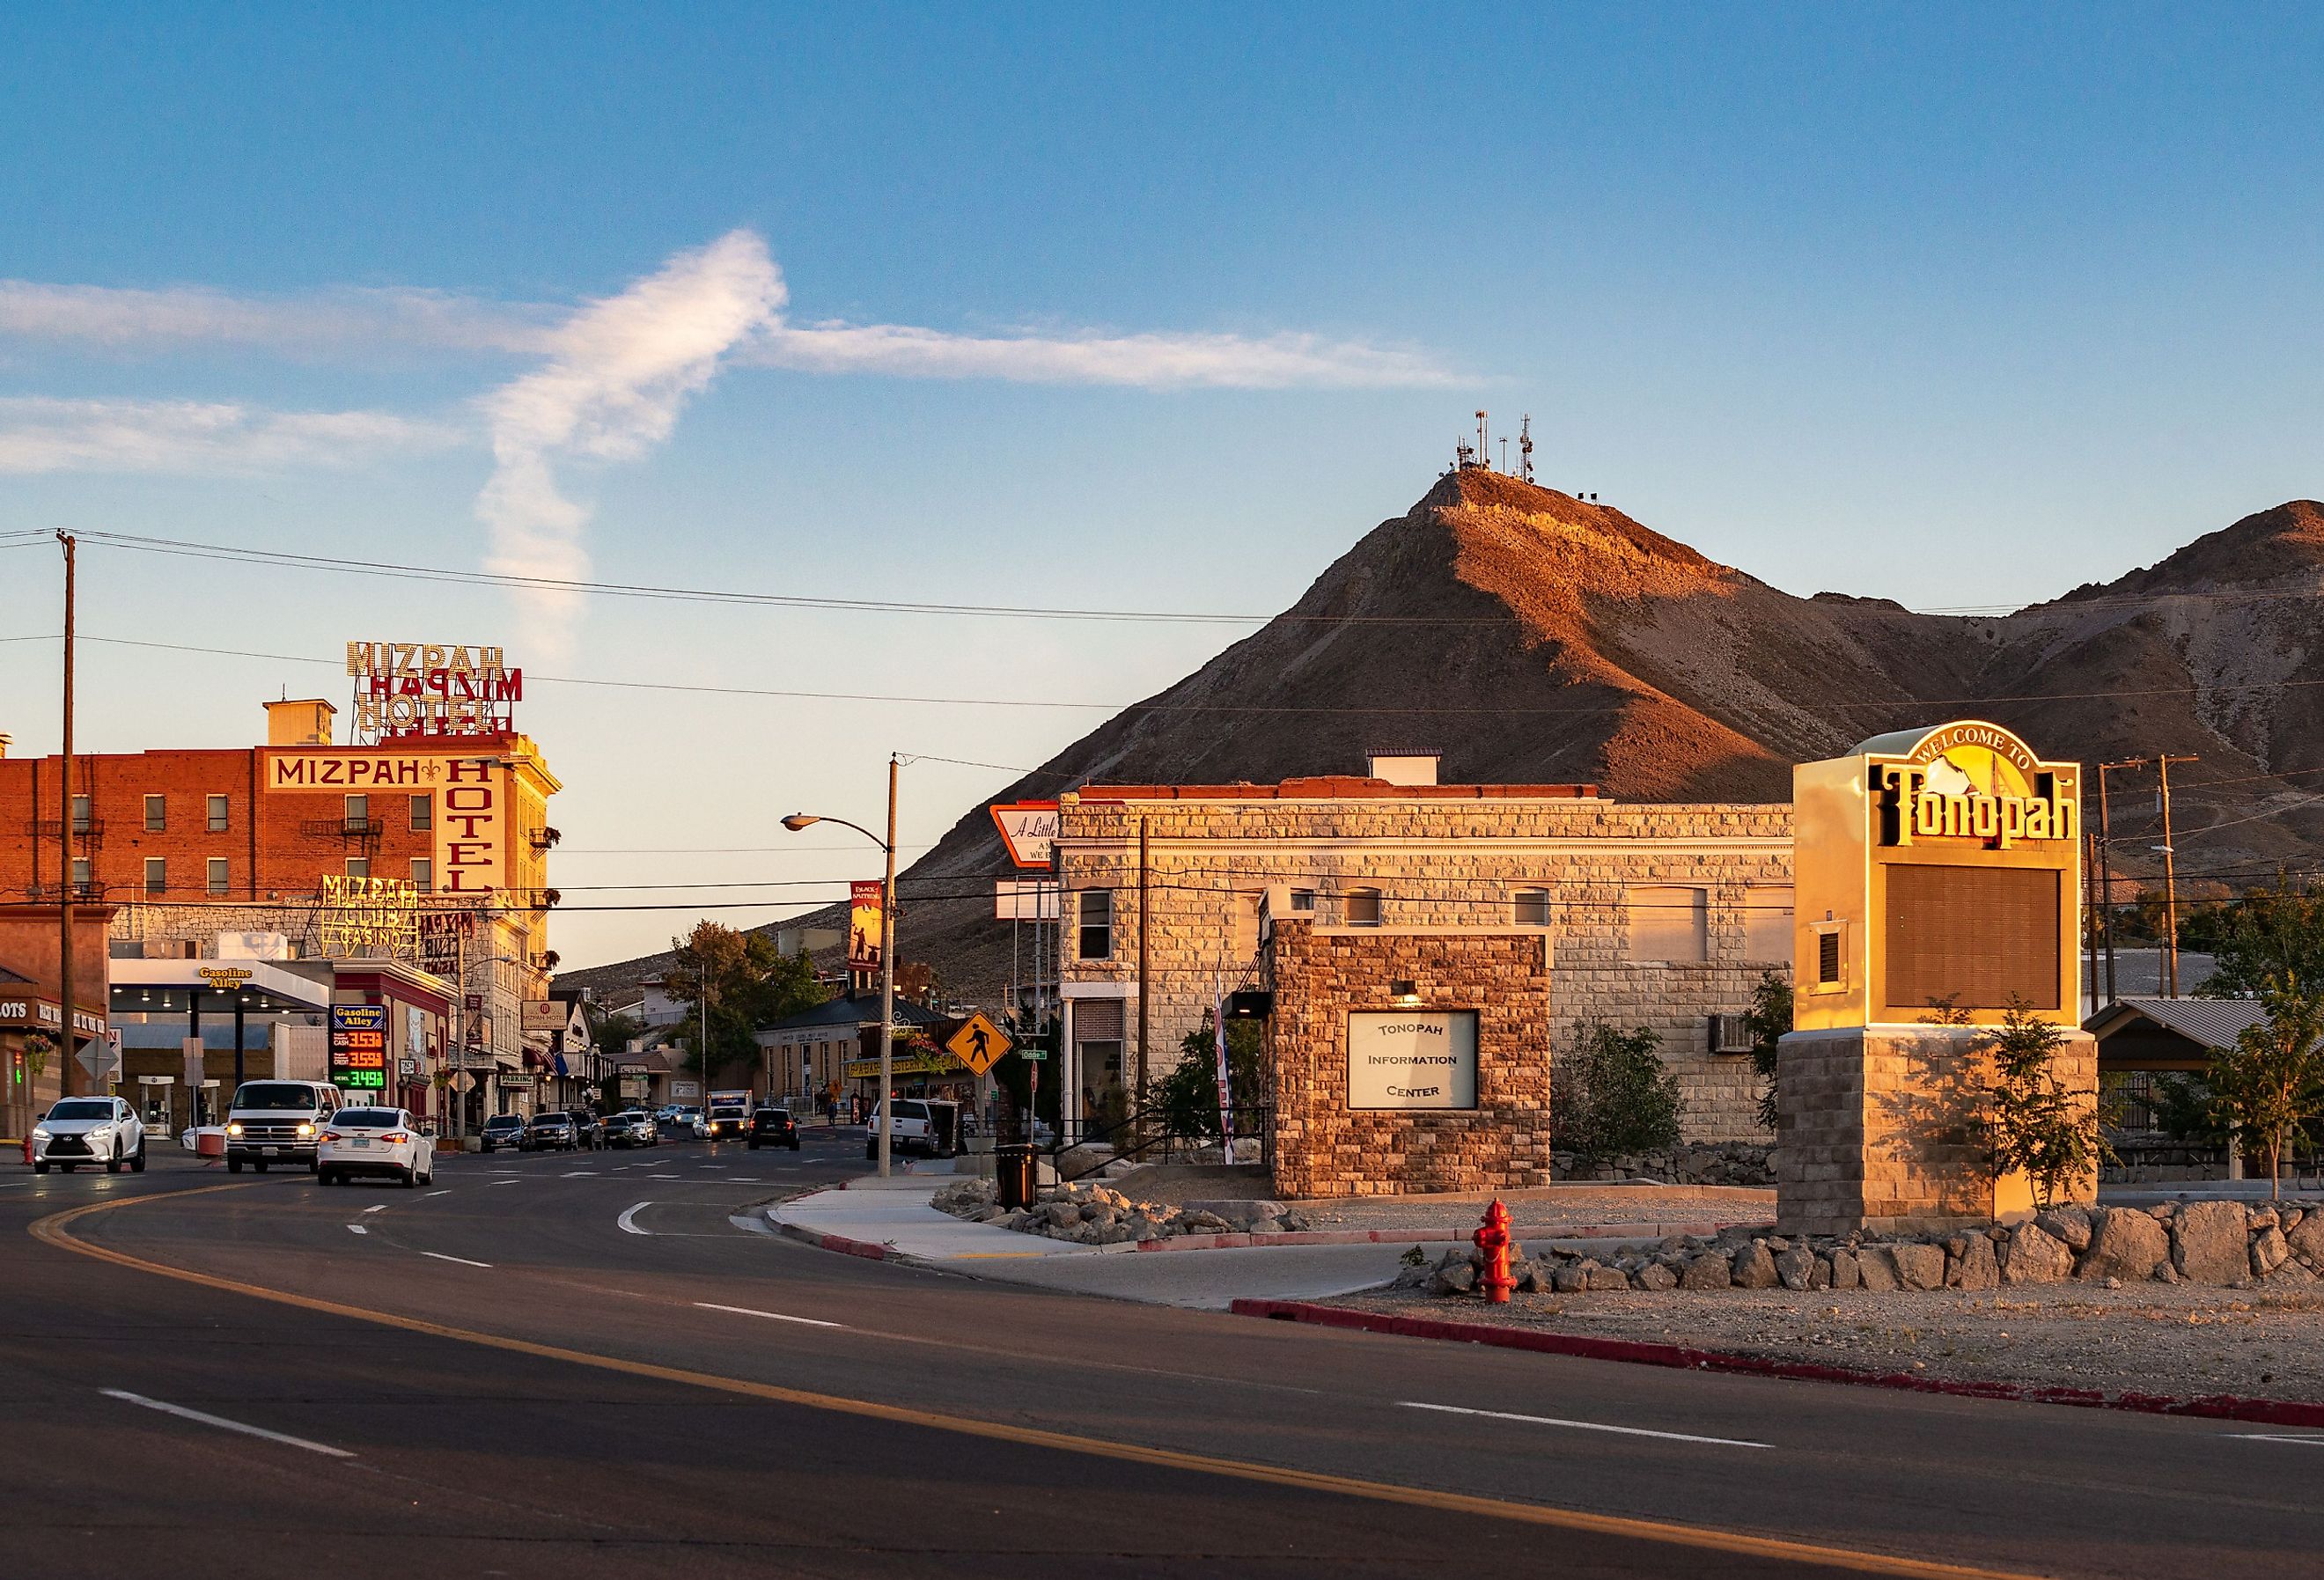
447 1192
1454 1409
2274 1437
769 1316
357 1229
504 1182
383 1206
462 1261
592 1174
207 1420
626 1219
681 1175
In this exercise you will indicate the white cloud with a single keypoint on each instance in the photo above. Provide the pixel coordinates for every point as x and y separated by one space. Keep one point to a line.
1152 361
335 322
38 434
619 371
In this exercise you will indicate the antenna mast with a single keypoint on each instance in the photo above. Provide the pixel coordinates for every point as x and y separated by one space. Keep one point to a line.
1484 448
1525 448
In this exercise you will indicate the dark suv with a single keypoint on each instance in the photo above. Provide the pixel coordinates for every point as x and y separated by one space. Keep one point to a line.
551 1131
504 1130
773 1127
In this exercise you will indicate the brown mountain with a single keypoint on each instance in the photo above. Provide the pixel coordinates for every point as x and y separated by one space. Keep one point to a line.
1529 636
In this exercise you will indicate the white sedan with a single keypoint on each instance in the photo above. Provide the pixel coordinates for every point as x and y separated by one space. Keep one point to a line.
92 1130
374 1141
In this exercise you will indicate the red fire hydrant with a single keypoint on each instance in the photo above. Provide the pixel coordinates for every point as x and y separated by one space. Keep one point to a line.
1492 1238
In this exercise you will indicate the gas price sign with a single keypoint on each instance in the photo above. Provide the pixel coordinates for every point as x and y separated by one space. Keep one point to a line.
359 1047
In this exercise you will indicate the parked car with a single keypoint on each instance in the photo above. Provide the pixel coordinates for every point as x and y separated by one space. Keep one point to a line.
923 1125
277 1121
685 1121
374 1141
773 1127
588 1130
504 1130
632 1127
92 1130
550 1130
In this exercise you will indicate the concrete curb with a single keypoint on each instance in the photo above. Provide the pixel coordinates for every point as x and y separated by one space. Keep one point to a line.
1388 1237
2228 1406
841 1243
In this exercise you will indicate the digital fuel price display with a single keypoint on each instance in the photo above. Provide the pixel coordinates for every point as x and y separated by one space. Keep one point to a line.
359 1047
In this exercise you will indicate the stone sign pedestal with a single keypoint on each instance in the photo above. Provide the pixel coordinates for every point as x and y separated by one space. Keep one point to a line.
1877 1128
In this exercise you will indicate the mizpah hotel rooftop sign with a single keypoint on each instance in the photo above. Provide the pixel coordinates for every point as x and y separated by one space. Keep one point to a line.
407 689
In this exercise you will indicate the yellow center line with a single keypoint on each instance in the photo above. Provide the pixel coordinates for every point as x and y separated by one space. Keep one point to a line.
53 1231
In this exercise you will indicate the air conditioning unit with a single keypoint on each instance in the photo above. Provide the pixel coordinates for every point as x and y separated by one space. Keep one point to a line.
1730 1034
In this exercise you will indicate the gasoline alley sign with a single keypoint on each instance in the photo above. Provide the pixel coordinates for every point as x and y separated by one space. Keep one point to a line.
409 689
1974 781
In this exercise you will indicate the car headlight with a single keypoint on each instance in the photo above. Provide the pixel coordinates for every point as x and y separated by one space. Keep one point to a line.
234 1130
306 1129
39 1133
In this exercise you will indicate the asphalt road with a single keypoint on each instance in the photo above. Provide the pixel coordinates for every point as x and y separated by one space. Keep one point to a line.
583 1365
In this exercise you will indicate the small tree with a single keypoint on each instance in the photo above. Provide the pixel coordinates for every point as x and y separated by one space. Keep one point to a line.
2029 1119
2268 1090
1610 1092
1185 1103
1768 1019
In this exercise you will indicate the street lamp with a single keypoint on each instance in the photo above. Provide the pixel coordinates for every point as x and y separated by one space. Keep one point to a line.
798 820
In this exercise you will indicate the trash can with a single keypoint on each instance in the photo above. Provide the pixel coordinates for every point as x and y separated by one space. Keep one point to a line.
1013 1170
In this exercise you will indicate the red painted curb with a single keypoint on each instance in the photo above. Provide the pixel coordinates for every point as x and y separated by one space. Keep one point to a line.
2229 1407
1227 1242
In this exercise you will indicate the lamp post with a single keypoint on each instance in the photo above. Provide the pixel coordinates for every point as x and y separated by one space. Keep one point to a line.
798 820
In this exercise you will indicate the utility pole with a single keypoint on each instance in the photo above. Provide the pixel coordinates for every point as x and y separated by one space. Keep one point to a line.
65 850
2106 868
2170 876
1145 932
702 965
888 981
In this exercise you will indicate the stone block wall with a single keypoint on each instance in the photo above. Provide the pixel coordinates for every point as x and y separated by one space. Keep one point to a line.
1878 1129
1322 1148
1451 864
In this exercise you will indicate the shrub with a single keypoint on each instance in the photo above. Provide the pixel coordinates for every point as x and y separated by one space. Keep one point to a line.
1768 1019
2029 1120
1610 1093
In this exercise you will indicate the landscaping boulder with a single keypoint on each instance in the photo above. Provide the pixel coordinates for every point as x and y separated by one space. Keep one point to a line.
2209 1242
2305 1239
1608 1278
1572 1278
1656 1276
1753 1268
2268 1251
1876 1268
1973 1265
1918 1266
2035 1256
2069 1225
2125 1244
1795 1268
1845 1273
1453 1279
1711 1271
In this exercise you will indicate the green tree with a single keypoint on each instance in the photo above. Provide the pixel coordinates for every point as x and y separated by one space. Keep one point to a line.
2268 1090
1610 1092
2030 1120
610 1034
1185 1103
1768 1019
2272 933
751 983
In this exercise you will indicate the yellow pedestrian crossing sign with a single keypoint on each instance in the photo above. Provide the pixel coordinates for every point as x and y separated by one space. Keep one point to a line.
977 1044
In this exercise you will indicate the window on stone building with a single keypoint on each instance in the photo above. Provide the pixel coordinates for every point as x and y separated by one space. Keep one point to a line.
1363 908
423 874
1094 909
357 814
82 817
157 814
217 874
358 867
1530 907
1767 926
217 814
157 874
423 813
1668 925
1303 899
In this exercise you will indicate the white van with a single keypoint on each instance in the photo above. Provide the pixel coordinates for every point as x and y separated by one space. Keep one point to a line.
277 1121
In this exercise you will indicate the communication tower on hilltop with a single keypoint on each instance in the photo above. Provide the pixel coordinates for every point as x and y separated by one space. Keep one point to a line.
1525 448
1484 445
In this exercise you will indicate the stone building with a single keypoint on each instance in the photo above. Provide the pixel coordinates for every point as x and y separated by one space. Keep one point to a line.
1663 916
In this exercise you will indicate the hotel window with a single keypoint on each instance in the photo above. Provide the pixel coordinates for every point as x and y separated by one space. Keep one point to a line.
81 878
423 874
1668 926
217 814
1530 907
358 867
81 816
1094 907
1363 908
423 813
157 874
157 814
217 874
356 815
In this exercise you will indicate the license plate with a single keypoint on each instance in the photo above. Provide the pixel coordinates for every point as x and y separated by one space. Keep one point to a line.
363 1140
279 1150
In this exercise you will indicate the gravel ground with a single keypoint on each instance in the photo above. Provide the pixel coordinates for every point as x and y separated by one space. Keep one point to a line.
1568 1208
2153 1338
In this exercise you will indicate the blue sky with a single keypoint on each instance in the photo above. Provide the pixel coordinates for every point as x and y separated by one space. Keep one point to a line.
1956 306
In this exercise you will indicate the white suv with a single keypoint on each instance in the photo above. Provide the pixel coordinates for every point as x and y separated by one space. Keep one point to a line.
89 1130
